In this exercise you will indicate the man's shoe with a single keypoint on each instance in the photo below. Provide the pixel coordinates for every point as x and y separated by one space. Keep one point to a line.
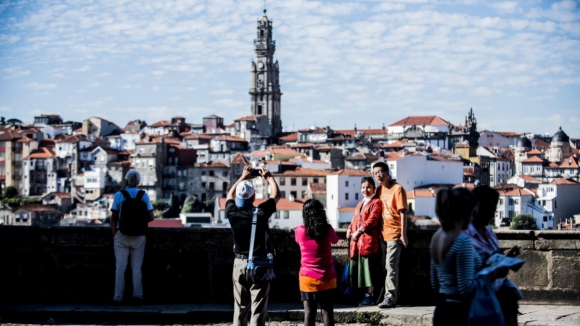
366 301
387 303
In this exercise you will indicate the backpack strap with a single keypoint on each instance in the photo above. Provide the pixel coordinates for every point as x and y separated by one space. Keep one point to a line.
126 194
140 194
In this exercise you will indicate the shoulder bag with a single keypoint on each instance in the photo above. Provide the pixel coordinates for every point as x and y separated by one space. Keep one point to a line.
258 269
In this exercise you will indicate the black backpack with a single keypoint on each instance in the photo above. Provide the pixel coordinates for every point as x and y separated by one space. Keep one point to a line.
134 217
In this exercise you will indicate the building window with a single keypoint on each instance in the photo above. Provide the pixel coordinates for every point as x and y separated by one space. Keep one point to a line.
292 181
211 174
277 215
516 201
203 184
202 172
286 214
225 173
283 194
356 196
315 180
511 201
282 181
304 181
346 196
293 194
346 184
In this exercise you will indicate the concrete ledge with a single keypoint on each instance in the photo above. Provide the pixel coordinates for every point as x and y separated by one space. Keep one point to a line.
279 313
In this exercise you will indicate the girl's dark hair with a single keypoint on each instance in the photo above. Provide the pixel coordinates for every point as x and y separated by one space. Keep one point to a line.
370 181
314 217
453 205
487 198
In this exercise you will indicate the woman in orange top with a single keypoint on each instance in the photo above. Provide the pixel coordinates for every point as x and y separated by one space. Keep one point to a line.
364 245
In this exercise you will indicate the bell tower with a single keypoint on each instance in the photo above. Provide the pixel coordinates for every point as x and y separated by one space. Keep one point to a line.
265 88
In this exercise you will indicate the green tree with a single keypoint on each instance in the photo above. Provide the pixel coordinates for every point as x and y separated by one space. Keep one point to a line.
191 205
10 192
523 222
13 122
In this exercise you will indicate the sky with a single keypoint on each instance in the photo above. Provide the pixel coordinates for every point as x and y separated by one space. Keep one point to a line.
342 63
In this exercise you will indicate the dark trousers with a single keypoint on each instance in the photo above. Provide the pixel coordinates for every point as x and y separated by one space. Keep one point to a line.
450 312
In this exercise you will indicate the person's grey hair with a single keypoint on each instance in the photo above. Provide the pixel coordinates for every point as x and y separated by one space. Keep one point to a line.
133 178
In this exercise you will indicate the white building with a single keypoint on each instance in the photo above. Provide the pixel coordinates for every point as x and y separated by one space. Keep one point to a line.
422 202
513 200
500 169
498 139
416 170
560 197
343 190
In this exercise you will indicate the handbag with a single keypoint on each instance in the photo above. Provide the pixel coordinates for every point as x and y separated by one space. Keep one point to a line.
258 270
485 309
345 289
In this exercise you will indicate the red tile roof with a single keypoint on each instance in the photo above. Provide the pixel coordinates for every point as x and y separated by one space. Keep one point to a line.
37 208
199 136
162 123
534 151
541 144
290 138
571 162
564 182
240 159
512 190
299 171
353 173
533 159
313 131
231 138
41 153
429 120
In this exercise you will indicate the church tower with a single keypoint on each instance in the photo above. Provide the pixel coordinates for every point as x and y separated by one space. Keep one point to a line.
265 88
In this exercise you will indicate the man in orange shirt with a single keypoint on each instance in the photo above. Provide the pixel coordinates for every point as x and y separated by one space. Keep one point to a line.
394 229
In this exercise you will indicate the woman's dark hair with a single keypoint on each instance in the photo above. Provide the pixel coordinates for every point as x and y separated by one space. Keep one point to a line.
314 217
370 181
487 198
454 205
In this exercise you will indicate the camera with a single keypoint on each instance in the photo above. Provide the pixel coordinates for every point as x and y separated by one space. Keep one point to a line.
255 173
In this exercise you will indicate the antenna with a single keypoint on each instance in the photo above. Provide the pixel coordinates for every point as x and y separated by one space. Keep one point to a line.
264 6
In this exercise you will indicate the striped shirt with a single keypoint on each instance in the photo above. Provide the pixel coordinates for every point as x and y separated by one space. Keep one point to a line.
456 273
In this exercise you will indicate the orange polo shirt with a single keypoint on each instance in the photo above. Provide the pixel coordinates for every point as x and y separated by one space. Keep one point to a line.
394 201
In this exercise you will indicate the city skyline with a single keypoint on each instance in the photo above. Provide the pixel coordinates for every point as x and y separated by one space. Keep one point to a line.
367 63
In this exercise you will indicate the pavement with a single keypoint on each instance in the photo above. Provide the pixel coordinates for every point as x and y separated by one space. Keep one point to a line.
283 314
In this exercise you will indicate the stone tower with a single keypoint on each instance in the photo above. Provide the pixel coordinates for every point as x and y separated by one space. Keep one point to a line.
523 146
559 147
265 87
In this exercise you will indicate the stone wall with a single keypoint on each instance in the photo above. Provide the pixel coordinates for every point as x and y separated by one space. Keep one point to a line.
194 265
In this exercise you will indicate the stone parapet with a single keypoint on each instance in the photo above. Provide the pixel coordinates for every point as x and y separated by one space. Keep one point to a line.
194 265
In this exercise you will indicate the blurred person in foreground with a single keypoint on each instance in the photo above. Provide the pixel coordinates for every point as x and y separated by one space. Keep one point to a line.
454 262
486 244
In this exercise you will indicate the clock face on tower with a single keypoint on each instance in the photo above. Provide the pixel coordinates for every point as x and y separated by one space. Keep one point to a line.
260 65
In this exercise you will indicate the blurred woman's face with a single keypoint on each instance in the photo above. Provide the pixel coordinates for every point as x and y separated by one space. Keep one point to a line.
367 189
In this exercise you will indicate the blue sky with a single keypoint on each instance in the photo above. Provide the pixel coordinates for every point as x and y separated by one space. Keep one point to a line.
517 63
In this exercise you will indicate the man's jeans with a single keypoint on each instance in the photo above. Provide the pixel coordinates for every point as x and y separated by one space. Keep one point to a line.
392 251
126 247
248 296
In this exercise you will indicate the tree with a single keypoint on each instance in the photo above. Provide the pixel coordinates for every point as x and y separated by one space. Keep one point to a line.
10 192
159 205
523 222
191 205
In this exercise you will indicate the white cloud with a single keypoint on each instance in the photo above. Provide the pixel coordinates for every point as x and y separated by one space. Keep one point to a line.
14 72
506 7
36 85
